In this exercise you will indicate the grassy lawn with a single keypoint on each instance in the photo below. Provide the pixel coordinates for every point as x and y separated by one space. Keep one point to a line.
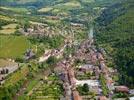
13 46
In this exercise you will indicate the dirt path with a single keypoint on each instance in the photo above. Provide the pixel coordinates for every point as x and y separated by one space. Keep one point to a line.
21 91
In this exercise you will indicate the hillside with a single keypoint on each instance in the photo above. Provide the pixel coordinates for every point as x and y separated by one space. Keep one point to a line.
63 49
20 2
115 34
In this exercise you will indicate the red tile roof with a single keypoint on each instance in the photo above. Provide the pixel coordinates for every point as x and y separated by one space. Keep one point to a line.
102 98
76 95
122 89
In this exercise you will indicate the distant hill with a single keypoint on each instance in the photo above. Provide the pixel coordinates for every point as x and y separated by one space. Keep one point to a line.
25 2
47 2
115 33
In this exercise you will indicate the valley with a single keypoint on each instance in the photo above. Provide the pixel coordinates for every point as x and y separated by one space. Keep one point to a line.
66 50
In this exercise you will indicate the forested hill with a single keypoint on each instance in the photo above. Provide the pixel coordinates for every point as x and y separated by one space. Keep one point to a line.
39 3
35 3
115 33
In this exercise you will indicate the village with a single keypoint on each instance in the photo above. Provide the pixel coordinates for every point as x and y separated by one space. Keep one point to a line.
85 66
66 50
93 63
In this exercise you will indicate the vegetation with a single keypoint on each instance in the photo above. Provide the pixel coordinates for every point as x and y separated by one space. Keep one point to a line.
47 88
13 83
15 9
52 42
13 46
103 85
59 19
19 75
51 60
3 22
83 90
120 95
8 29
115 34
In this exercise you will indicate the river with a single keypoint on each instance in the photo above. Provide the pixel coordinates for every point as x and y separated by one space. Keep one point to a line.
91 32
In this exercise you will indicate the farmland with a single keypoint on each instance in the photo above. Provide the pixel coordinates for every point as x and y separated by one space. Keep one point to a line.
62 8
51 90
8 29
15 9
20 1
45 9
13 46
57 49
19 75
7 18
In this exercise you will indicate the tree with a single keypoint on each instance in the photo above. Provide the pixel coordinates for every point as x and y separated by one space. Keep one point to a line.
4 94
103 83
26 26
86 88
51 60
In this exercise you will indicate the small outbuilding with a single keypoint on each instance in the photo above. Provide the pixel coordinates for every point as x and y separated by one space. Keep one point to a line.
122 89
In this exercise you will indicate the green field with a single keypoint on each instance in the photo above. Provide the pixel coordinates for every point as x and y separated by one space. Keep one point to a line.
88 1
20 1
8 29
7 18
61 8
13 46
15 9
45 9
19 75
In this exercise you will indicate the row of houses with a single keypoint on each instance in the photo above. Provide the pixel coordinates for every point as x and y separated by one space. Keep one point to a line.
87 53
67 75
96 63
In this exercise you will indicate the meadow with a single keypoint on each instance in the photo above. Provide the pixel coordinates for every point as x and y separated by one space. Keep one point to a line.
13 46
6 18
8 29
62 8
15 9
45 9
